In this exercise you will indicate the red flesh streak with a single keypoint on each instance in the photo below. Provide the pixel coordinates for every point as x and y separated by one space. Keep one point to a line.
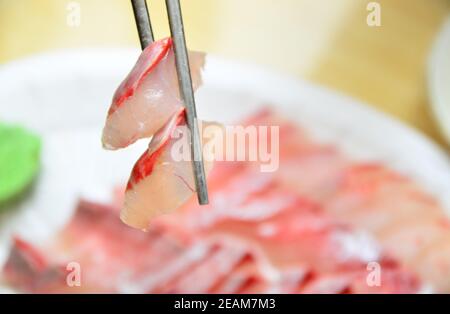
149 59
144 166
33 256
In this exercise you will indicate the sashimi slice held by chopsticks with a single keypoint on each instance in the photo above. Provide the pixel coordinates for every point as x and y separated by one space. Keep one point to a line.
163 179
148 96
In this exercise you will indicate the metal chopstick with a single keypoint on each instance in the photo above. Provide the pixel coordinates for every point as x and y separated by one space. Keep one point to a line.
187 95
143 23
184 80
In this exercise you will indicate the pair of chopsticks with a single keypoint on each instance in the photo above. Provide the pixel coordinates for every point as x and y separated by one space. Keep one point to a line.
146 37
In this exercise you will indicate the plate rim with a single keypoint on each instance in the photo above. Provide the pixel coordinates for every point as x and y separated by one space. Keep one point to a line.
439 51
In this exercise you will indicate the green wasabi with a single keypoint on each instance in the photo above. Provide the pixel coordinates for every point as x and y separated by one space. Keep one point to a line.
19 160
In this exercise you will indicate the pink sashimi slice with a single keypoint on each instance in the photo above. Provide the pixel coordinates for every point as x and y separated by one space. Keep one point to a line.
149 95
355 281
29 270
112 257
410 237
320 169
248 276
162 179
205 275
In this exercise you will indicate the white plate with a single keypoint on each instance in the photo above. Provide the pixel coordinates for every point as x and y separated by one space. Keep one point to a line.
439 79
64 96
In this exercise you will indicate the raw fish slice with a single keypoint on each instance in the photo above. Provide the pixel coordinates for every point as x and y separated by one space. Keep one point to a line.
292 277
252 274
405 220
324 245
241 279
392 280
334 283
226 198
378 213
315 173
29 270
374 197
202 277
255 285
409 237
163 280
112 257
116 257
148 97
162 179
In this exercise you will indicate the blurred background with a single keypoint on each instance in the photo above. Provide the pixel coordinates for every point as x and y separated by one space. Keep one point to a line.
323 41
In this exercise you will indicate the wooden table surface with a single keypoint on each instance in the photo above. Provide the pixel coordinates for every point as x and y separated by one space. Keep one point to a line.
324 41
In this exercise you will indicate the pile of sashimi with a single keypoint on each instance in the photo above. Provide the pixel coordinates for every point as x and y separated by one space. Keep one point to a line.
319 223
